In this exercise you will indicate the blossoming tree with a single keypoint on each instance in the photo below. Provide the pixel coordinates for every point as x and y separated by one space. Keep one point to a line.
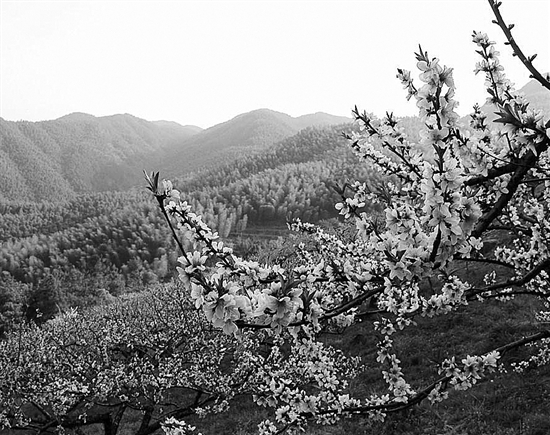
134 355
443 200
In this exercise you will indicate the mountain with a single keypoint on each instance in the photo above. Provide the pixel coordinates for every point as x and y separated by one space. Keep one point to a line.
536 94
290 179
189 130
243 135
319 119
78 152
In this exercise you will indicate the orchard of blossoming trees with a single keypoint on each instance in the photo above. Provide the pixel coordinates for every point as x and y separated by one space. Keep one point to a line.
151 355
474 194
444 201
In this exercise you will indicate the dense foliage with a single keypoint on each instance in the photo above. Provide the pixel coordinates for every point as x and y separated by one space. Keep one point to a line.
150 353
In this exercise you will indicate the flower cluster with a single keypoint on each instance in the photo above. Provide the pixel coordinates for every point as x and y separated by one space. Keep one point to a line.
309 363
540 358
473 369
171 426
132 354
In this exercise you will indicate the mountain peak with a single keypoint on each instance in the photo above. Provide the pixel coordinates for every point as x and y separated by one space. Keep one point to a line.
537 95
77 116
320 119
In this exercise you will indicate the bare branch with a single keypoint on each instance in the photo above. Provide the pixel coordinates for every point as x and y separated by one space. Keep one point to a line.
507 29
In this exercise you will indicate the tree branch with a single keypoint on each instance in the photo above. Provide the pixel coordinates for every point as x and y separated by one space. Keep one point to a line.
514 282
507 29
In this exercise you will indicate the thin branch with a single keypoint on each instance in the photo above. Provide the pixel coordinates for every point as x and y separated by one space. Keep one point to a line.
516 282
538 294
486 260
507 29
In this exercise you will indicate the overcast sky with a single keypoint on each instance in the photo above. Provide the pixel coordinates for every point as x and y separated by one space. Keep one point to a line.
204 62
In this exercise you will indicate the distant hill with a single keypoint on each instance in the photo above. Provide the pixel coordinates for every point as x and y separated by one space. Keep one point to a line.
79 152
319 119
185 129
245 134
537 95
294 178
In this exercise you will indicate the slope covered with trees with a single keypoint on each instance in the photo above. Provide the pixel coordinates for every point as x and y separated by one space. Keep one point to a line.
51 160
244 135
117 240
290 180
120 233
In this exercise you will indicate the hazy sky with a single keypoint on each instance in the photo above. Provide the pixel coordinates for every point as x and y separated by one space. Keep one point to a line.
204 62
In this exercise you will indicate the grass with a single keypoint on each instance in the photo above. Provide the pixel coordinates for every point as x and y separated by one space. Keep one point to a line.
511 403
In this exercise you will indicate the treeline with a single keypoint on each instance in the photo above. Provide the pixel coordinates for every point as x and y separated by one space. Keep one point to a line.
19 220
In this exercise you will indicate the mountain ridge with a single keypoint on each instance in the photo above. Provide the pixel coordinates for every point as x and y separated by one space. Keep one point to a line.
79 152
246 133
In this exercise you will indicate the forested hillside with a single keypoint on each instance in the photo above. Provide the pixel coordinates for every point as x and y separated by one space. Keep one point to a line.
122 234
293 179
52 160
242 136
271 182
284 182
